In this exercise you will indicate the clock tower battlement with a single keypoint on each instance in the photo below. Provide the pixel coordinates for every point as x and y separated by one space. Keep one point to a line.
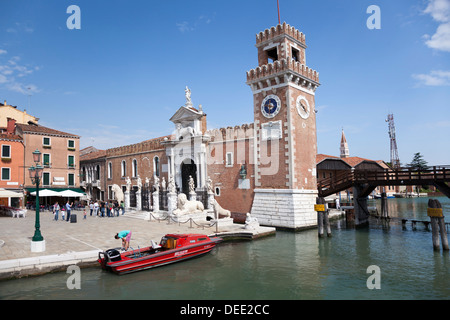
282 58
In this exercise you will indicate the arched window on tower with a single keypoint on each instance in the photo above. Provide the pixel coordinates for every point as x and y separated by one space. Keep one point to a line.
109 170
123 168
134 168
156 166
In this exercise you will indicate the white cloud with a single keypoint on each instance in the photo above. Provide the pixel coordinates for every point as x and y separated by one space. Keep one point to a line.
11 71
184 27
440 12
3 51
441 39
434 78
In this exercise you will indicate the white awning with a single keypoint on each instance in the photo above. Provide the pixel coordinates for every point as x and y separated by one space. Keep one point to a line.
9 194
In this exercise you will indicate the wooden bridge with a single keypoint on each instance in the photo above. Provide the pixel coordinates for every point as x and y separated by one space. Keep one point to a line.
363 182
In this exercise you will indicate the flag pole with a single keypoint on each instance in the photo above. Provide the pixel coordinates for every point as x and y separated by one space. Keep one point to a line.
278 6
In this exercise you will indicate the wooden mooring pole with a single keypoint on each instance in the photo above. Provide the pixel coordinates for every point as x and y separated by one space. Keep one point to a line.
322 217
437 224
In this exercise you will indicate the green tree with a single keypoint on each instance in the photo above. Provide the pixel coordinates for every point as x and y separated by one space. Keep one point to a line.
418 162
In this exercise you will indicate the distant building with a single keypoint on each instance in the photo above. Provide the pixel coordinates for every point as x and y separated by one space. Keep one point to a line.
8 111
60 156
266 168
93 173
12 170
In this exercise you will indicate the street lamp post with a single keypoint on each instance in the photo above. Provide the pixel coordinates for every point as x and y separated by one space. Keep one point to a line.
37 242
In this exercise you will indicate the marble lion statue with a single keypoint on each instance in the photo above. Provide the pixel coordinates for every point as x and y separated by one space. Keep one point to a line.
118 193
221 212
184 206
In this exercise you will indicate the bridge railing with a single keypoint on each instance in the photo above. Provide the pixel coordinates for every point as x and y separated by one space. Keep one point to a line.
346 179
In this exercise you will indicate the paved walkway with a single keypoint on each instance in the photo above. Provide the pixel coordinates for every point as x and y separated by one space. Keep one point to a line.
88 234
69 243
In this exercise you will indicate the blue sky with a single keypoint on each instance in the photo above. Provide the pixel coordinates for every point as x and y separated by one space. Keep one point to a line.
119 79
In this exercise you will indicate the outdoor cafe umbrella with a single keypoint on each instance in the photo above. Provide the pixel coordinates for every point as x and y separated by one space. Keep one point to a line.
9 194
47 193
70 193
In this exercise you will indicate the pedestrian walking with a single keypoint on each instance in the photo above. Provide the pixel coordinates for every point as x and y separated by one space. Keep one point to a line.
91 207
56 209
96 208
122 205
68 209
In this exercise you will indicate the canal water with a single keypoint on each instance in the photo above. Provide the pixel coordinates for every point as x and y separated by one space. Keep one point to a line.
286 266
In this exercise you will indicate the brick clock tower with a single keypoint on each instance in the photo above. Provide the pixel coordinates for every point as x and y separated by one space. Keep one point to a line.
285 130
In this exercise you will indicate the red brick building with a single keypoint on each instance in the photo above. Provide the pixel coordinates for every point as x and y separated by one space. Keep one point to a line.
12 169
267 167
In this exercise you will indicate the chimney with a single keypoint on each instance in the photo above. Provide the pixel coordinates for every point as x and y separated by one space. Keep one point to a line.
11 127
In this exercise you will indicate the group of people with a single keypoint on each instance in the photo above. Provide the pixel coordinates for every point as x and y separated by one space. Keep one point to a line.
98 209
108 209
65 210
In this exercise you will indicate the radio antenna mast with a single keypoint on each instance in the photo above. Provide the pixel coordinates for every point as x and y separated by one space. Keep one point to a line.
278 6
395 161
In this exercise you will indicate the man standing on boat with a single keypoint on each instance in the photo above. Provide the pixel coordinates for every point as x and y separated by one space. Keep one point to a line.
125 235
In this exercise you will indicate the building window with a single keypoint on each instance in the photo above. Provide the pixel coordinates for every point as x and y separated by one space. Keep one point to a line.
6 173
6 151
97 173
229 159
272 54
123 168
295 55
71 179
109 170
71 161
47 160
135 171
46 179
156 166
217 191
46 142
71 144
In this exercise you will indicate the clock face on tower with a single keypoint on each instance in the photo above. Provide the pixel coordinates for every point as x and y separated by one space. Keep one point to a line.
303 108
270 106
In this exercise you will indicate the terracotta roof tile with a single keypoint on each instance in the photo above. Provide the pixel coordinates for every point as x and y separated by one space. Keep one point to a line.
43 130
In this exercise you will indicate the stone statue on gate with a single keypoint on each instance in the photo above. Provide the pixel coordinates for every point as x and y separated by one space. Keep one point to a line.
156 184
163 184
139 183
187 92
128 181
171 187
191 185
184 206
219 212
209 185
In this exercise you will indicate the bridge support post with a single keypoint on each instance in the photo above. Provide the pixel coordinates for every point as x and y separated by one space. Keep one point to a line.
437 224
360 205
322 218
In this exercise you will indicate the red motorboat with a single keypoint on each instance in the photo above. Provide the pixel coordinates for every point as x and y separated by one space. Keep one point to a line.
172 248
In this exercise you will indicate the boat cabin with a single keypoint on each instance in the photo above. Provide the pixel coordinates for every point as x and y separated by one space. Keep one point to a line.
173 241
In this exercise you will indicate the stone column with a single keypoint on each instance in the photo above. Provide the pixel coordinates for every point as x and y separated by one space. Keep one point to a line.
138 200
171 202
127 199
155 196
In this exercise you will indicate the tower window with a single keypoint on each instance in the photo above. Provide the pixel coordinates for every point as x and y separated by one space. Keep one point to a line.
295 55
272 54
